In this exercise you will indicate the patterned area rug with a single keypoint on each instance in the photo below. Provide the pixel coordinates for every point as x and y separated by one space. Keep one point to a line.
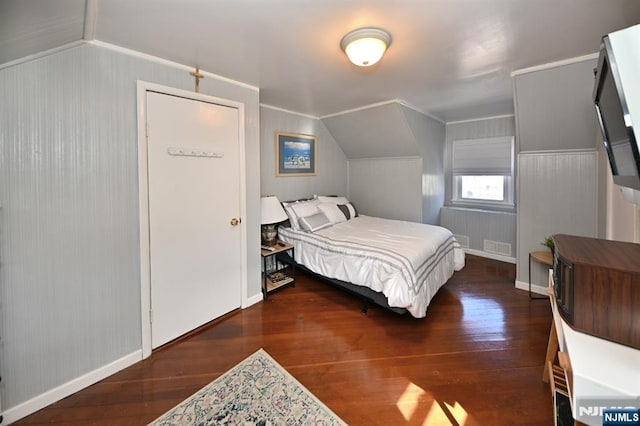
258 391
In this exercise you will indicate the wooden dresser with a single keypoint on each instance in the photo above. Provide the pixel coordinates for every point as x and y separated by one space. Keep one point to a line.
594 297
597 287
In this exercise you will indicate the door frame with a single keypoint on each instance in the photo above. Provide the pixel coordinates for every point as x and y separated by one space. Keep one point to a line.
143 190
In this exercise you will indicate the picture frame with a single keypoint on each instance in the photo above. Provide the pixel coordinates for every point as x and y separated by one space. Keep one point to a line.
296 154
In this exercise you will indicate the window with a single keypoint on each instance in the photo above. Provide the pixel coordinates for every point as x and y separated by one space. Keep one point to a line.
482 171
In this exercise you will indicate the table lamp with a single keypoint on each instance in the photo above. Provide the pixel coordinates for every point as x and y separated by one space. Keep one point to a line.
272 214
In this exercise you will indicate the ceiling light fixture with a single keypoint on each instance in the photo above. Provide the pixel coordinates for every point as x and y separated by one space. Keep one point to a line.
365 46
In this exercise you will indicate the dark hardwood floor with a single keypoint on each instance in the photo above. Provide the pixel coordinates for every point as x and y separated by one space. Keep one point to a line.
476 359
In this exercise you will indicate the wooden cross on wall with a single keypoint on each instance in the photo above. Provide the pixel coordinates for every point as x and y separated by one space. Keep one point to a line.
197 76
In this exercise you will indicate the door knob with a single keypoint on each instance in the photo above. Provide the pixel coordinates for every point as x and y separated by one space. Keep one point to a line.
235 221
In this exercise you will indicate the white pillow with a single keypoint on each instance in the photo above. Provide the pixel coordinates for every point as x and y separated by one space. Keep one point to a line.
333 213
332 200
297 209
315 222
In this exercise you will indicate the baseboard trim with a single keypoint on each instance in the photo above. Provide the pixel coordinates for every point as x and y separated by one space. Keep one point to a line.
254 299
56 394
535 288
490 255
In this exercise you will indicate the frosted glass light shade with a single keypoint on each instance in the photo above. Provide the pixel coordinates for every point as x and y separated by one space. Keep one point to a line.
365 46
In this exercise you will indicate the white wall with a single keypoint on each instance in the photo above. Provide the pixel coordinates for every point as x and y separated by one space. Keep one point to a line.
70 272
618 216
622 216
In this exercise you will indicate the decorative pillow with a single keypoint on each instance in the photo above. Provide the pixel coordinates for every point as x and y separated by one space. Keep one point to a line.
333 213
315 222
297 209
348 210
332 200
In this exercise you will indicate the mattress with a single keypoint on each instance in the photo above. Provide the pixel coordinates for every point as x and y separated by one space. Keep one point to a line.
408 262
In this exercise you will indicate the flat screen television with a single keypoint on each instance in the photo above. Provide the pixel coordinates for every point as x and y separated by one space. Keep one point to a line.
614 93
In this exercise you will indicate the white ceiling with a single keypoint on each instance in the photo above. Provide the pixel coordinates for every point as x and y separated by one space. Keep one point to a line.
451 59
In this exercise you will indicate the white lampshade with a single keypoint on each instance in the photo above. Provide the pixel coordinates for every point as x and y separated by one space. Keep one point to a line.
271 210
365 46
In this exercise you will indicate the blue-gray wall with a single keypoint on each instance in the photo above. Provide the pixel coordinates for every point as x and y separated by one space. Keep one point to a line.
331 167
388 159
395 158
478 224
555 108
429 135
389 187
560 187
70 271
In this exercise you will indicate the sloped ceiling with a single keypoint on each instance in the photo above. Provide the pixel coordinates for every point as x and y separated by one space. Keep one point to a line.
31 26
449 59
377 132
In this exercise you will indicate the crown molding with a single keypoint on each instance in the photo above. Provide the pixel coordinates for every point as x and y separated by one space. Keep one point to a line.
556 64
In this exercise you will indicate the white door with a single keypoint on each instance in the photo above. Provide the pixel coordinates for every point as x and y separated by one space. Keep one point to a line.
194 202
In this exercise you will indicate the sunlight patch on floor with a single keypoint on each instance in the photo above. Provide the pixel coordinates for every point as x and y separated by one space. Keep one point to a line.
409 400
457 412
439 413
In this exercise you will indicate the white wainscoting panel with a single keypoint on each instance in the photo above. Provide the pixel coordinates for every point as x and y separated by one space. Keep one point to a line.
557 194
480 225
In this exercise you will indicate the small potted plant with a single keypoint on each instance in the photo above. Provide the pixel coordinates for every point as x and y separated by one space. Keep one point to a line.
548 242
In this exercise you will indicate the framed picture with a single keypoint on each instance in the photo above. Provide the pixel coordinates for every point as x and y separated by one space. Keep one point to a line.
295 154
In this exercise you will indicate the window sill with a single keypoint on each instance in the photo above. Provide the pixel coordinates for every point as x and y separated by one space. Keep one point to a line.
484 208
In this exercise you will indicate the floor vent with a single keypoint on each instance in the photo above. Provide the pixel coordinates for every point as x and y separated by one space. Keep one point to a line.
463 240
497 247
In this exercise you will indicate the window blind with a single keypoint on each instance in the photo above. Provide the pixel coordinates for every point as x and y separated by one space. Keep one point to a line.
488 156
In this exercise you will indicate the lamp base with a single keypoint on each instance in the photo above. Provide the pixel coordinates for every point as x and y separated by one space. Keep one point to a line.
269 235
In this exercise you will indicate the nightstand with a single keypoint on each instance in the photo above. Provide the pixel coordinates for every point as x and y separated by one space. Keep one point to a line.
278 267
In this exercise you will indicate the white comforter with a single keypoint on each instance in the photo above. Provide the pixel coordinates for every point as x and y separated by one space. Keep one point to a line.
408 262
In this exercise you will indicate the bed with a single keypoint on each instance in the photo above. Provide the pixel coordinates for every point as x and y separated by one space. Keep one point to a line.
396 264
